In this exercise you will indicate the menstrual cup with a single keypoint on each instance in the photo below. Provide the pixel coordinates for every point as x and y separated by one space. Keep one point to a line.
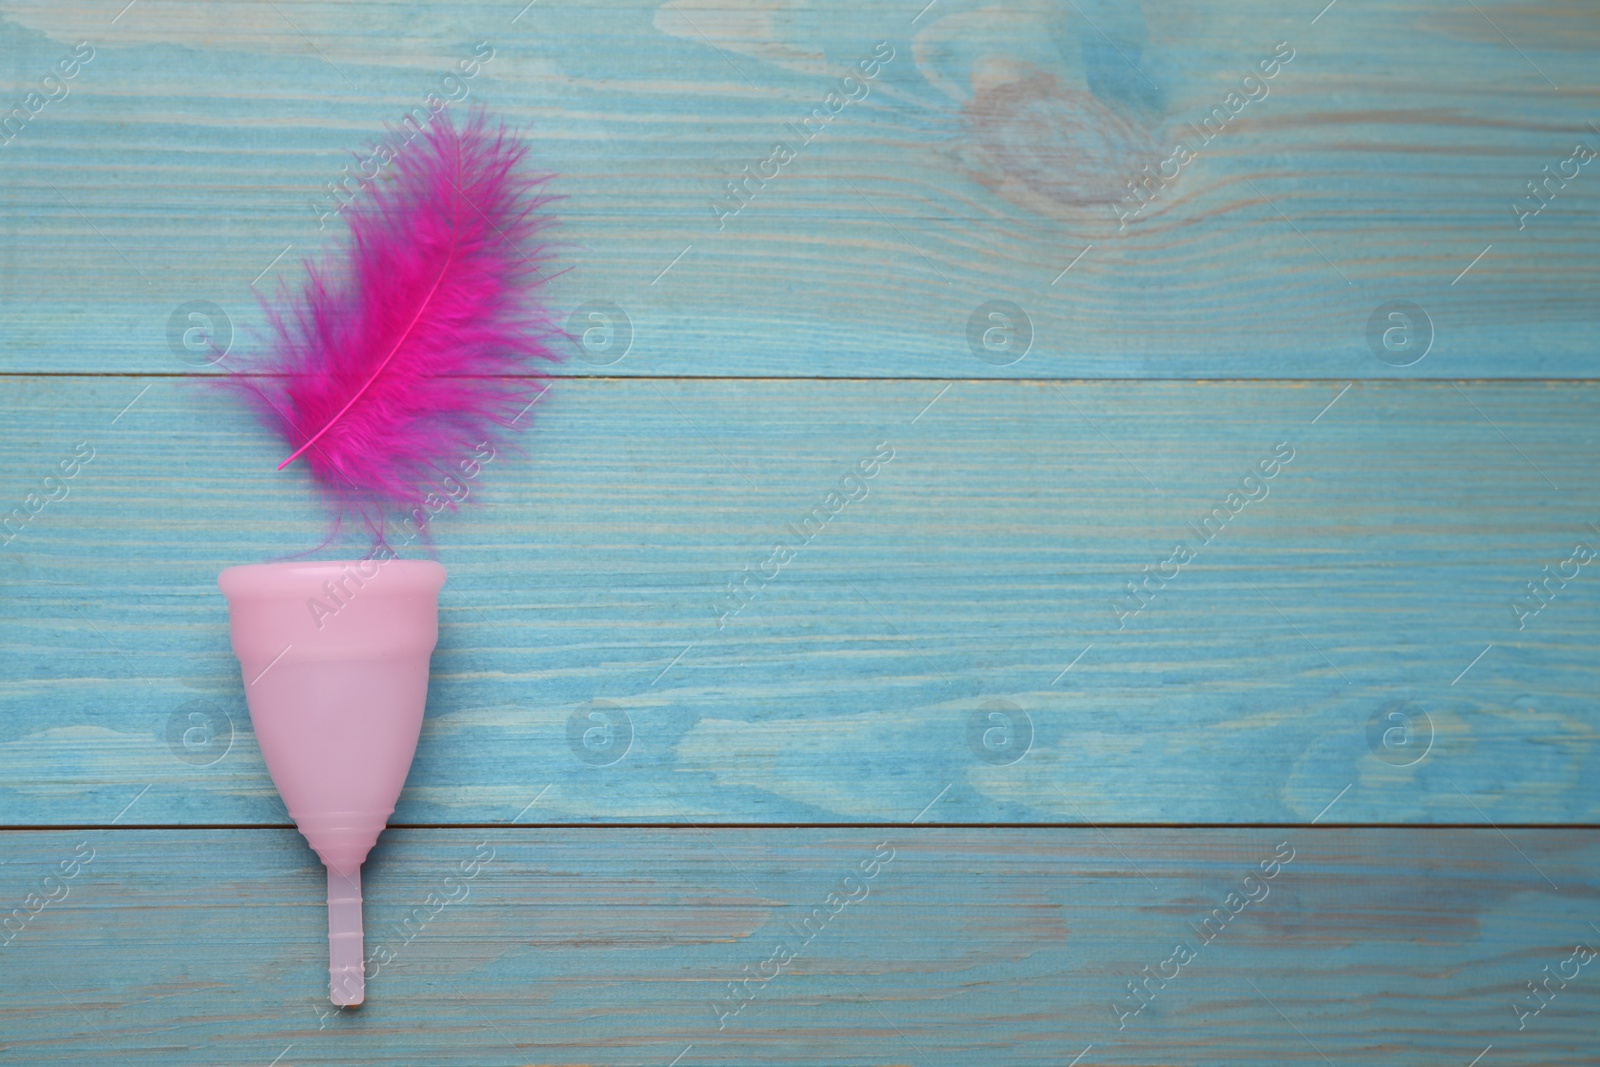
335 664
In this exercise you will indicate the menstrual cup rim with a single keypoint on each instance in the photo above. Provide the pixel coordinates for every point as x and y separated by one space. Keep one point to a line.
303 578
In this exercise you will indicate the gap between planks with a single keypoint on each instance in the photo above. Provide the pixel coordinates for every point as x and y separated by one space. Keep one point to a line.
1001 379
613 826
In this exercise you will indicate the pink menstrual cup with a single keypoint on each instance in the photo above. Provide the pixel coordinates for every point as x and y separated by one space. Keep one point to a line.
335 663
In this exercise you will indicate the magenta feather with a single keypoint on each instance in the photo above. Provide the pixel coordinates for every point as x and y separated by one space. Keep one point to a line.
422 340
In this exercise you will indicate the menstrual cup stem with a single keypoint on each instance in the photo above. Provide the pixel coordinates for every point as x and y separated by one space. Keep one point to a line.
346 965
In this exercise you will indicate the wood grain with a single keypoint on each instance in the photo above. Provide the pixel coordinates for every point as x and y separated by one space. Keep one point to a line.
988 556
956 646
618 946
983 159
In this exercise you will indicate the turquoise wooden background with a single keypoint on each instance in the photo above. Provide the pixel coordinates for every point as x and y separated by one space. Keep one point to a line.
950 672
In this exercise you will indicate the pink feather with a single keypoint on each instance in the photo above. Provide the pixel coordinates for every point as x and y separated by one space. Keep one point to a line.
422 340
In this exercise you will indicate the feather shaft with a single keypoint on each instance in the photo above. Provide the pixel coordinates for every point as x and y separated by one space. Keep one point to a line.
417 344
348 404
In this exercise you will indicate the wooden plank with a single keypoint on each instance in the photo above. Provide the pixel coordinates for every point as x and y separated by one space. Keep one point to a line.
991 554
619 946
1382 164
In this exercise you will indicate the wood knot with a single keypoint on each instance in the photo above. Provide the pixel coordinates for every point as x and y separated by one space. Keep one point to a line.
1052 150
